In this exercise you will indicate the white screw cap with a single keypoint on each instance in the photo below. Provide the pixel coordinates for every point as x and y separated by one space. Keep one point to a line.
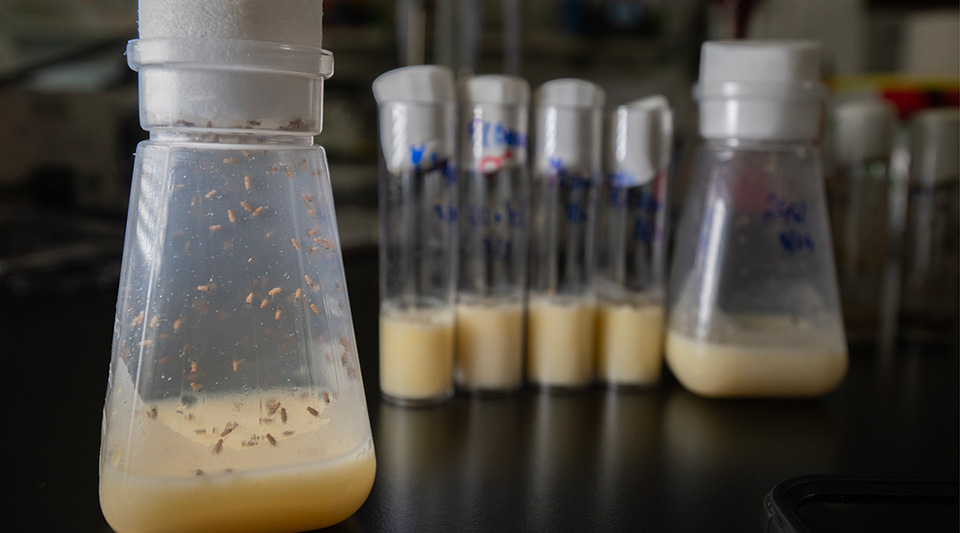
641 134
417 116
863 130
495 89
494 113
934 155
760 90
568 124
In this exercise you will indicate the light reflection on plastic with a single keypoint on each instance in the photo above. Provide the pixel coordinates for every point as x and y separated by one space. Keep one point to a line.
708 291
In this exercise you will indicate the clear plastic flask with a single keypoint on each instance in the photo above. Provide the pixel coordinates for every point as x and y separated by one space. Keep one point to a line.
930 264
754 302
563 199
234 400
631 257
418 233
858 194
494 197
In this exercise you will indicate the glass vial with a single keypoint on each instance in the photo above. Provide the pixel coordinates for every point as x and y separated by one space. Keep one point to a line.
754 303
930 297
858 194
235 400
418 233
566 176
631 245
494 197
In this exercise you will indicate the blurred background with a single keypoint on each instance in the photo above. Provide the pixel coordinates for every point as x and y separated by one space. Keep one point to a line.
69 102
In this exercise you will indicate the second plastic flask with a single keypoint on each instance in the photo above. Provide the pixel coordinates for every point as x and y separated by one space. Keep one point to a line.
494 192
566 176
858 193
631 245
930 285
235 400
754 302
418 233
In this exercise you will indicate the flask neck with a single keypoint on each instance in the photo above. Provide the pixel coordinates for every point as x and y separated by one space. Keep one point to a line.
761 145
766 118
221 87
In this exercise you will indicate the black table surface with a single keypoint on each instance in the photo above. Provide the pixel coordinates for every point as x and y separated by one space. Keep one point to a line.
661 460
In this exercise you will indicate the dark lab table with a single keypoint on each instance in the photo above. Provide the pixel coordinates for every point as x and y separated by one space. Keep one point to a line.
663 460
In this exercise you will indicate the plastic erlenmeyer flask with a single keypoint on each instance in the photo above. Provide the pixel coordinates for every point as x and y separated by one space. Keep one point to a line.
858 193
235 401
755 309
930 286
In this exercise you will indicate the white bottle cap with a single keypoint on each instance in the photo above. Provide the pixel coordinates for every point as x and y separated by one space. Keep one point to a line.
495 89
494 111
568 123
935 138
760 90
641 134
420 83
417 116
296 22
863 130
570 92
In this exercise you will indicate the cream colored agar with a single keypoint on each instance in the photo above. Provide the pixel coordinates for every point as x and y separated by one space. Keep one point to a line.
174 476
560 343
774 356
416 354
629 344
490 346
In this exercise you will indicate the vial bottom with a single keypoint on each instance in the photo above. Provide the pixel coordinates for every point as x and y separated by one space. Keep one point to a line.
560 335
629 345
416 356
489 347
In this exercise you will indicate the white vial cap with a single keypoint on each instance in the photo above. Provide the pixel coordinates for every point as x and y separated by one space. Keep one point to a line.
494 128
417 116
935 138
568 124
296 22
760 90
863 130
641 134
495 89
570 92
421 83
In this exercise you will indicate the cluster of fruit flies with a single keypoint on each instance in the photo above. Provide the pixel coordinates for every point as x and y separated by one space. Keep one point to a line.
272 410
297 296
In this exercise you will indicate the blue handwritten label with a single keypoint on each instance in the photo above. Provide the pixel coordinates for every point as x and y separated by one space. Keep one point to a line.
795 241
445 213
416 154
576 185
496 135
643 206
481 216
419 157
792 216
